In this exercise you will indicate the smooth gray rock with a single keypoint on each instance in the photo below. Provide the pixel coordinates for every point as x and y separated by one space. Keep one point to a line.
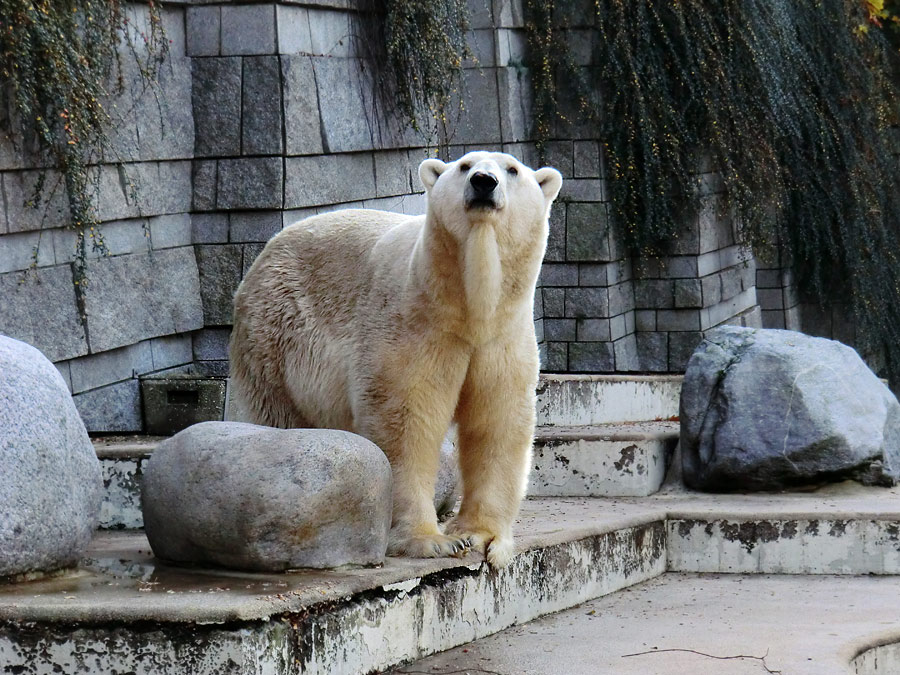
256 498
769 409
50 481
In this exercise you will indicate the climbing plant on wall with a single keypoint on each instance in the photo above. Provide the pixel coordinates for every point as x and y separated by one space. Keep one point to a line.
59 61
791 101
419 49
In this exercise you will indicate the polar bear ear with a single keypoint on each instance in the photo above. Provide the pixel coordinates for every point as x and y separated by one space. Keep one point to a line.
429 171
550 181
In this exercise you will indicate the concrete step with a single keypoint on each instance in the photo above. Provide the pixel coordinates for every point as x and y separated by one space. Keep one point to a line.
611 460
123 611
582 400
685 624
602 460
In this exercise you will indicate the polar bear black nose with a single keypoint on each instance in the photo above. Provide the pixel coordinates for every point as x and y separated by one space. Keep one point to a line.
484 183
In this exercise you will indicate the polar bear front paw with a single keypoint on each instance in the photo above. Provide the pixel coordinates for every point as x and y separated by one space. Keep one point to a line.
499 550
428 546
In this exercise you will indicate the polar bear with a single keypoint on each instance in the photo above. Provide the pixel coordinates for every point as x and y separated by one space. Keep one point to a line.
395 327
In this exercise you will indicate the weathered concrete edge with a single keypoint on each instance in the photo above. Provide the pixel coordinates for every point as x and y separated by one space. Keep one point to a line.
386 626
648 431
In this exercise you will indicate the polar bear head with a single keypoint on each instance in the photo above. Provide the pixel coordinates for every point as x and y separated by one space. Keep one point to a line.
496 209
489 188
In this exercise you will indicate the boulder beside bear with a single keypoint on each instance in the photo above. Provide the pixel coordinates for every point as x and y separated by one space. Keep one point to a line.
394 327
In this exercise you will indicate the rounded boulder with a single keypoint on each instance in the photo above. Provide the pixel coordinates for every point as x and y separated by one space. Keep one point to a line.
50 480
765 409
262 499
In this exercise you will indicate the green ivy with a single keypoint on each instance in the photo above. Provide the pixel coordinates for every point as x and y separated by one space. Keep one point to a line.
60 60
791 101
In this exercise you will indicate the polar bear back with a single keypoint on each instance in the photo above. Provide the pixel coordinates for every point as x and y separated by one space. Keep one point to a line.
294 324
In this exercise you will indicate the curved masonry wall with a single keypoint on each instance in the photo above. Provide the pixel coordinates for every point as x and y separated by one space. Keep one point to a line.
265 114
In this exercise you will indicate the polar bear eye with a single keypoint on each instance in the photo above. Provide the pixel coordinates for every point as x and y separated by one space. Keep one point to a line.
512 171
465 167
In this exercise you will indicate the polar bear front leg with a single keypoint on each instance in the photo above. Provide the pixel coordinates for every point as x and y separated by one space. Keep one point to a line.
496 418
407 413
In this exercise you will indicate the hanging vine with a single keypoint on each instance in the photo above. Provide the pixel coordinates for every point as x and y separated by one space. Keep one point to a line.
59 61
792 101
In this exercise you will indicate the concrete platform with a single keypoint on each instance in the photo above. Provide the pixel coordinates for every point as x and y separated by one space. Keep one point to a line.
124 612
689 624
602 460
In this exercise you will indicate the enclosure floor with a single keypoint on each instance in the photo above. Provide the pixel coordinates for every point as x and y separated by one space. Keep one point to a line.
695 624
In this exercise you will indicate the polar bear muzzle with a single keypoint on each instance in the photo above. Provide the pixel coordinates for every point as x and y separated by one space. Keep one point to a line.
481 190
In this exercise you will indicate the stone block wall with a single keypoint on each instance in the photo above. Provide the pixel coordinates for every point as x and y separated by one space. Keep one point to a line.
267 113
142 300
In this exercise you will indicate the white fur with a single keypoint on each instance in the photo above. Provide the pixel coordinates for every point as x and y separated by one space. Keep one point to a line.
394 327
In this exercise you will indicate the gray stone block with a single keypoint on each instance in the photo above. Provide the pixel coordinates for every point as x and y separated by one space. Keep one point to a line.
263 499
203 31
256 226
480 15
555 357
97 370
768 278
251 253
392 173
559 274
203 173
303 128
170 231
773 319
328 179
220 273
556 241
539 330
171 351
261 118
617 327
345 106
63 369
653 351
248 29
587 232
25 213
654 293
559 330
554 302
593 330
645 320
40 308
681 346
587 303
711 288
595 274
293 29
731 282
626 354
592 357
481 45
163 114
587 159
331 33
216 101
678 319
50 481
621 298
211 344
158 188
678 267
133 297
538 310
479 121
250 183
515 91
22 250
116 407
688 293
209 228
584 190
770 298
767 410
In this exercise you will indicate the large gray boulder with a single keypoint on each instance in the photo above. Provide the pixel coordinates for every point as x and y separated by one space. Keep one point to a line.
50 480
769 409
257 498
